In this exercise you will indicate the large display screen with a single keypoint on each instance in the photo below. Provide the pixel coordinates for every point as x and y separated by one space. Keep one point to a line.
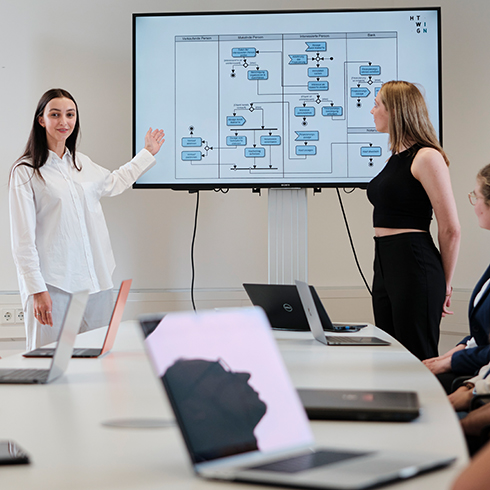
275 99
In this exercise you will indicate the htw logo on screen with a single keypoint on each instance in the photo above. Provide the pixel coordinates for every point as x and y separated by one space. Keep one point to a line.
420 26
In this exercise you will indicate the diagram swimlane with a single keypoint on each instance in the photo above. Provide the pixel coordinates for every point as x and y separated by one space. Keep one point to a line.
269 106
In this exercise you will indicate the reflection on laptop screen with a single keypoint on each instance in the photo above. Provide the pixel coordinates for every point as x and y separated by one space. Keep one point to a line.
227 383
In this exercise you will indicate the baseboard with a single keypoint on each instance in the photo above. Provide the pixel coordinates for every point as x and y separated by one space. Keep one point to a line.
343 304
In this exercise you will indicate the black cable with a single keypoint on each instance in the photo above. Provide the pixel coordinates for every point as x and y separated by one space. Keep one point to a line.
351 242
192 251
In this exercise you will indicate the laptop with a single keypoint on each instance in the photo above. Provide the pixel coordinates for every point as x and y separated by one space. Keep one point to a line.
372 405
316 326
239 414
284 310
82 352
69 329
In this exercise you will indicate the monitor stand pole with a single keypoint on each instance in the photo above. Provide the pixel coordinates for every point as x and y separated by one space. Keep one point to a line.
288 235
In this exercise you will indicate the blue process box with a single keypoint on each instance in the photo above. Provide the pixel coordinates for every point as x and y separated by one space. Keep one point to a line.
236 140
316 86
258 74
243 52
318 72
304 111
189 142
332 110
370 70
191 156
370 151
359 92
254 152
307 135
235 120
376 90
270 140
298 59
306 150
316 46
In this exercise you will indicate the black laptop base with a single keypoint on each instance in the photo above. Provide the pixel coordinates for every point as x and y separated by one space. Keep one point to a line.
79 352
363 405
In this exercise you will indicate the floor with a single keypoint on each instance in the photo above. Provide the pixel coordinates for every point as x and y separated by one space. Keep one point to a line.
9 347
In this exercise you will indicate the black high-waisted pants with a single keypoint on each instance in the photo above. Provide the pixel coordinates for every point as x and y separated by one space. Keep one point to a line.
409 290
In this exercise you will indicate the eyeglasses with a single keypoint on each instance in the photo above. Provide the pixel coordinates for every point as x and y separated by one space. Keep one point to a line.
473 197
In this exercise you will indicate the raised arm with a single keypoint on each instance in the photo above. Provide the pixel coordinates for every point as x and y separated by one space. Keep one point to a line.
154 140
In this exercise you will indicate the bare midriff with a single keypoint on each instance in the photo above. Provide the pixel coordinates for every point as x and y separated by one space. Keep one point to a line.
395 231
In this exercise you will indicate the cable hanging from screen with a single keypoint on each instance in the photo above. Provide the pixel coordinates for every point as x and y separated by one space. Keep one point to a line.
192 251
351 241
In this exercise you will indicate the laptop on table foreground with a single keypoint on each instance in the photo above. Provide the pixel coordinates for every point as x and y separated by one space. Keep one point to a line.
85 352
240 416
64 348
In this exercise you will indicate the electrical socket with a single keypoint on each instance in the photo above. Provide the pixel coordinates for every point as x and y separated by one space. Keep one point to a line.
7 315
19 315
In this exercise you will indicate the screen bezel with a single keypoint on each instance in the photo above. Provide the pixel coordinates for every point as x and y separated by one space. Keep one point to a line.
256 186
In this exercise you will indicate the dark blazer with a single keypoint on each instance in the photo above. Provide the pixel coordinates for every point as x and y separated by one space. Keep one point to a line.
469 361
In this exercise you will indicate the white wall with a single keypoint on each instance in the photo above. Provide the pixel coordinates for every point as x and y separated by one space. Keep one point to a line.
85 47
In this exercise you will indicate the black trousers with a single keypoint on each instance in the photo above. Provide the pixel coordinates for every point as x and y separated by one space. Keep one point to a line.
409 290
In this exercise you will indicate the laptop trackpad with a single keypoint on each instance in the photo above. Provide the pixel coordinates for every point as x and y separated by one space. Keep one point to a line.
308 461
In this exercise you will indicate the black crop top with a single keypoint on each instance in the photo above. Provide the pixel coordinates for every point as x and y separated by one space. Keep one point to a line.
399 199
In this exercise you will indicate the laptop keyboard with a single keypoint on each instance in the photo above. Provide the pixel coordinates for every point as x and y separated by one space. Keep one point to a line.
345 340
86 352
336 340
308 461
23 374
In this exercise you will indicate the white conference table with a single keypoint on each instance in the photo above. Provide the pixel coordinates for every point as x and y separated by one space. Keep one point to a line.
61 424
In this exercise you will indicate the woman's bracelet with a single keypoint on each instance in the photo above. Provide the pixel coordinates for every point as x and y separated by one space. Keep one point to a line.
449 294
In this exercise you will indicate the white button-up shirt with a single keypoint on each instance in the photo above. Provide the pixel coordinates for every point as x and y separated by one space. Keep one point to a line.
58 230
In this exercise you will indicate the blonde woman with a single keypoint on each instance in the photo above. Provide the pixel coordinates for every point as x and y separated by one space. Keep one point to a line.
412 278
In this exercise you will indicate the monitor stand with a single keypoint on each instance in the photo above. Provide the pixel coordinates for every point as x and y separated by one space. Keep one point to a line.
288 235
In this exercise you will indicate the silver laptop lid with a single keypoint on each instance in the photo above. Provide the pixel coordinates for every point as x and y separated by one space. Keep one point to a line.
227 383
69 330
311 311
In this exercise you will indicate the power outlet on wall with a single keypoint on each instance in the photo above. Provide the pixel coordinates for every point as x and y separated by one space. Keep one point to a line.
7 315
19 315
10 315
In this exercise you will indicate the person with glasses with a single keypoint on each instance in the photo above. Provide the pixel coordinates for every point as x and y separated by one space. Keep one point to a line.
412 278
473 352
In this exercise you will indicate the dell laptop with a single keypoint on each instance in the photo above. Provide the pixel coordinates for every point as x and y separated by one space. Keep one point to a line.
315 323
82 352
239 414
284 310
64 348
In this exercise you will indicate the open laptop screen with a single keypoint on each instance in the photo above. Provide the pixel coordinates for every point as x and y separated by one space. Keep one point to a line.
227 383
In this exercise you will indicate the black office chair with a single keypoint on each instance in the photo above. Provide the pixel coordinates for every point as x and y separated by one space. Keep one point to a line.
478 400
459 381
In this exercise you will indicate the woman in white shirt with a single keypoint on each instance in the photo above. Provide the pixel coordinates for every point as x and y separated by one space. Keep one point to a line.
60 241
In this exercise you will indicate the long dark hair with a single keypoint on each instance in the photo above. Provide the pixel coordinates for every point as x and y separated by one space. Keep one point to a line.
36 152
